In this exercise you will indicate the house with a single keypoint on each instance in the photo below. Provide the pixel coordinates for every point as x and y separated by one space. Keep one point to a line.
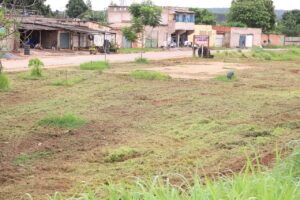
52 33
175 27
204 30
235 37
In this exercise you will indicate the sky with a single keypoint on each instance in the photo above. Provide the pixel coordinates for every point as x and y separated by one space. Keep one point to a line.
101 4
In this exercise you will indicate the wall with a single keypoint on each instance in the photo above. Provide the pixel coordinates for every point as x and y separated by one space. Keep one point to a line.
118 14
222 29
159 36
49 39
236 32
204 30
292 41
272 39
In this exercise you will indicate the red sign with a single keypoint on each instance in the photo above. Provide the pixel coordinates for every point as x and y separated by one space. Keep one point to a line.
201 40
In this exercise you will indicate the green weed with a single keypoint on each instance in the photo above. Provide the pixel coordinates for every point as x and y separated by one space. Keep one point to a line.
65 121
141 60
149 75
224 78
36 67
137 50
4 82
68 82
121 154
95 65
25 158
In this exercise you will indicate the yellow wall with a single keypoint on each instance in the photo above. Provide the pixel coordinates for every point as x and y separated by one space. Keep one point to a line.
204 30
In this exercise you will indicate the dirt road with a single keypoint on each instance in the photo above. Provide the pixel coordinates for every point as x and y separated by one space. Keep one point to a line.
75 60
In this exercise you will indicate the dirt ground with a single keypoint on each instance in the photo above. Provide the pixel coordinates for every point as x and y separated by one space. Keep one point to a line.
191 126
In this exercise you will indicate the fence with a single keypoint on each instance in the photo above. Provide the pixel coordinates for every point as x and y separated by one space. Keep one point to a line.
292 41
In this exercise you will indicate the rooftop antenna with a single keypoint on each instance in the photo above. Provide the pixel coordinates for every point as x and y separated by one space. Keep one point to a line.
122 2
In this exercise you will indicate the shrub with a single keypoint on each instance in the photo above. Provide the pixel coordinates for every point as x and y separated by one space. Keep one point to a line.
121 154
36 67
149 75
68 82
68 120
141 60
95 65
4 82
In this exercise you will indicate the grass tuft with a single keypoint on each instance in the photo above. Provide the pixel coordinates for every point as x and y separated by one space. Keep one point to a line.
95 65
224 78
68 82
149 75
141 60
68 120
121 154
25 158
4 82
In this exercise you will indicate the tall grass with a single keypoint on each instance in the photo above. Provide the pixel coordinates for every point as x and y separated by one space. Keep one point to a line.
253 183
36 67
4 82
141 60
95 65
68 82
67 120
149 75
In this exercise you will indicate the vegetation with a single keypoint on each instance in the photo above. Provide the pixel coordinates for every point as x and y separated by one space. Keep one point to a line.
204 16
68 82
37 5
149 75
4 82
95 65
121 154
36 67
291 23
264 55
75 8
25 158
142 60
68 120
253 13
225 79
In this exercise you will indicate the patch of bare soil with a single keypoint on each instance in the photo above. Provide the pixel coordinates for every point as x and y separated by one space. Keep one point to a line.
199 71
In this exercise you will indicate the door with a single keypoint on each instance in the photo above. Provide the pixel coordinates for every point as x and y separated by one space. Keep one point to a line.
242 41
126 43
64 40
249 41
219 40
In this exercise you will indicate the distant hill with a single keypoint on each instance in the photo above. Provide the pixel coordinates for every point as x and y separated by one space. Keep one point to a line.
221 13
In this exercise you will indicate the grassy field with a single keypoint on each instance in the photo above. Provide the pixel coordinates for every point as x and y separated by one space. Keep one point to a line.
113 128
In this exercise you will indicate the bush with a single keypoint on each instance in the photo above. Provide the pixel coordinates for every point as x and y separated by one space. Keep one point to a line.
36 67
4 82
141 60
149 75
66 121
68 82
95 65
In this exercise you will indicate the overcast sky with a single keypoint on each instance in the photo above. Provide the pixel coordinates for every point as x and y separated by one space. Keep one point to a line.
101 4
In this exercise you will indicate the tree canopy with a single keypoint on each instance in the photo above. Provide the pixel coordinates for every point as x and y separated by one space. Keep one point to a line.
253 13
291 23
75 8
37 5
203 16
143 14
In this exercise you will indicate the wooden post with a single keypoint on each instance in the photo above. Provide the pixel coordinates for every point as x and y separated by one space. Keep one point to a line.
40 38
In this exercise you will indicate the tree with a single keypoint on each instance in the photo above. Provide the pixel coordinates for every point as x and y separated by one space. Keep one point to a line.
89 4
36 5
253 13
203 16
143 14
75 8
291 23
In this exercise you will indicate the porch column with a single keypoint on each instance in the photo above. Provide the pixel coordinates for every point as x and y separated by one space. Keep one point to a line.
178 39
